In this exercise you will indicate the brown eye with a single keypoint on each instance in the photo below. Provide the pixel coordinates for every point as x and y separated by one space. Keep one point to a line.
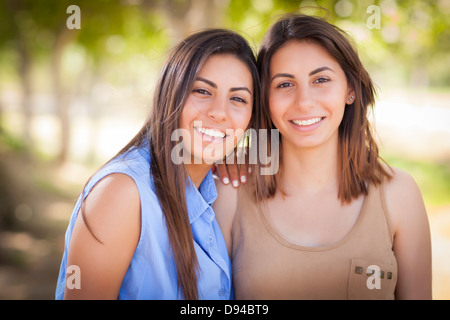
322 80
285 85
238 99
201 91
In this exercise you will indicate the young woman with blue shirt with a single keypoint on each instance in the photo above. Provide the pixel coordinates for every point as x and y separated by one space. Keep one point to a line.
143 227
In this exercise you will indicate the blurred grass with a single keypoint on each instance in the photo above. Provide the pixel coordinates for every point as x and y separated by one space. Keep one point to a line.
433 178
9 141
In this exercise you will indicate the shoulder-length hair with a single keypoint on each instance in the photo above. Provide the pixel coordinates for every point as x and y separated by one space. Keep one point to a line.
358 159
172 90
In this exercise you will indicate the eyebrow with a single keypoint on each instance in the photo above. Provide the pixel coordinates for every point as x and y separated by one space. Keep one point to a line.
240 88
288 75
283 75
320 70
212 84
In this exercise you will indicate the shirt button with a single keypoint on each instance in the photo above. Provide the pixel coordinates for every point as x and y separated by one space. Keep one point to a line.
211 239
221 292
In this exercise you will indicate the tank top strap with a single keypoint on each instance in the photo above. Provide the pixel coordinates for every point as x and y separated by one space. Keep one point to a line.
376 215
385 210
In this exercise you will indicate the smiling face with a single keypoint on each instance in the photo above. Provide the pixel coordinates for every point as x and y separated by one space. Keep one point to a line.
218 109
308 94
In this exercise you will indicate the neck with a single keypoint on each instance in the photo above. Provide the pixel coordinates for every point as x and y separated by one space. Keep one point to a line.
197 172
310 169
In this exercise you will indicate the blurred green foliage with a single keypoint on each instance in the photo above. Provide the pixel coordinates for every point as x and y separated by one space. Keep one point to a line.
432 178
414 34
123 42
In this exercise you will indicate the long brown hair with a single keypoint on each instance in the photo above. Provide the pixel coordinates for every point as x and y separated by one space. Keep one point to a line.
358 160
173 88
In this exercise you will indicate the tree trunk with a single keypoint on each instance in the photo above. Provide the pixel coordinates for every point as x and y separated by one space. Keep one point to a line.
190 16
24 69
64 38
25 79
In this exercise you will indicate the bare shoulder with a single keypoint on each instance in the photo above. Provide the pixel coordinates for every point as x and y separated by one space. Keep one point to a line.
402 187
105 237
402 183
412 239
403 198
113 205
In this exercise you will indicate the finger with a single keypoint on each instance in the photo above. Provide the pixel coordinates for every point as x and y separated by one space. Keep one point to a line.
222 173
245 169
233 173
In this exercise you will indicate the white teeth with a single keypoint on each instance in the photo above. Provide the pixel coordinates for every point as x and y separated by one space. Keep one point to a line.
306 122
211 132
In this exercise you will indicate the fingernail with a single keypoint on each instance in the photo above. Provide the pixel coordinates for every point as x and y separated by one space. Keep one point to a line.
226 180
243 179
235 183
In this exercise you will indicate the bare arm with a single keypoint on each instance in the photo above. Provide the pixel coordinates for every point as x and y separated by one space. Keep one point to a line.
112 210
412 241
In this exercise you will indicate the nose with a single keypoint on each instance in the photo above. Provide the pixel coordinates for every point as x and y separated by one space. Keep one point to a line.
218 109
304 98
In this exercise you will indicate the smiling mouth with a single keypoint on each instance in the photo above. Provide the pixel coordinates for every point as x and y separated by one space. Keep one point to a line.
308 122
211 134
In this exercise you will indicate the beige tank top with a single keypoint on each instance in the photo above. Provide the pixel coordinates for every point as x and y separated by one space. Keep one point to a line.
362 265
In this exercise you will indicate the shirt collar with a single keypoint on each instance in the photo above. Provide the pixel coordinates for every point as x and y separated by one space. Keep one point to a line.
198 200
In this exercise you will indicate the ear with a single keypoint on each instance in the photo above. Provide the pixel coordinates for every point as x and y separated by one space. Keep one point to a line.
351 96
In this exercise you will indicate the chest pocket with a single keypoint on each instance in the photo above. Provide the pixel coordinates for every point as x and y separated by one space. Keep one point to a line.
371 280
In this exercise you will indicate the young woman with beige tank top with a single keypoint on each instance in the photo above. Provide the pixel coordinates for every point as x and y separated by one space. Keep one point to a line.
335 221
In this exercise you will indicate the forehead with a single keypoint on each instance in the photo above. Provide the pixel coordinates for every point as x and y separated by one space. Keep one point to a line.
222 60
226 68
307 53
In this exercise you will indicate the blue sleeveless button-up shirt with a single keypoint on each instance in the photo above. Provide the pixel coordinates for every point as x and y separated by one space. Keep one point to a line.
152 271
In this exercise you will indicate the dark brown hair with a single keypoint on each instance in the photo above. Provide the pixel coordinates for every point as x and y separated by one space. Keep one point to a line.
359 161
173 88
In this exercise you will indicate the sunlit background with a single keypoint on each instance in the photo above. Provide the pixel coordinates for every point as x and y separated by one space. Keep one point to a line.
71 98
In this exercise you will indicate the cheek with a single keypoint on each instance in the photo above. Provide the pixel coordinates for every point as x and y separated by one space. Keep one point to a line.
336 107
192 110
333 99
240 123
279 103
248 117
275 110
186 113
241 118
